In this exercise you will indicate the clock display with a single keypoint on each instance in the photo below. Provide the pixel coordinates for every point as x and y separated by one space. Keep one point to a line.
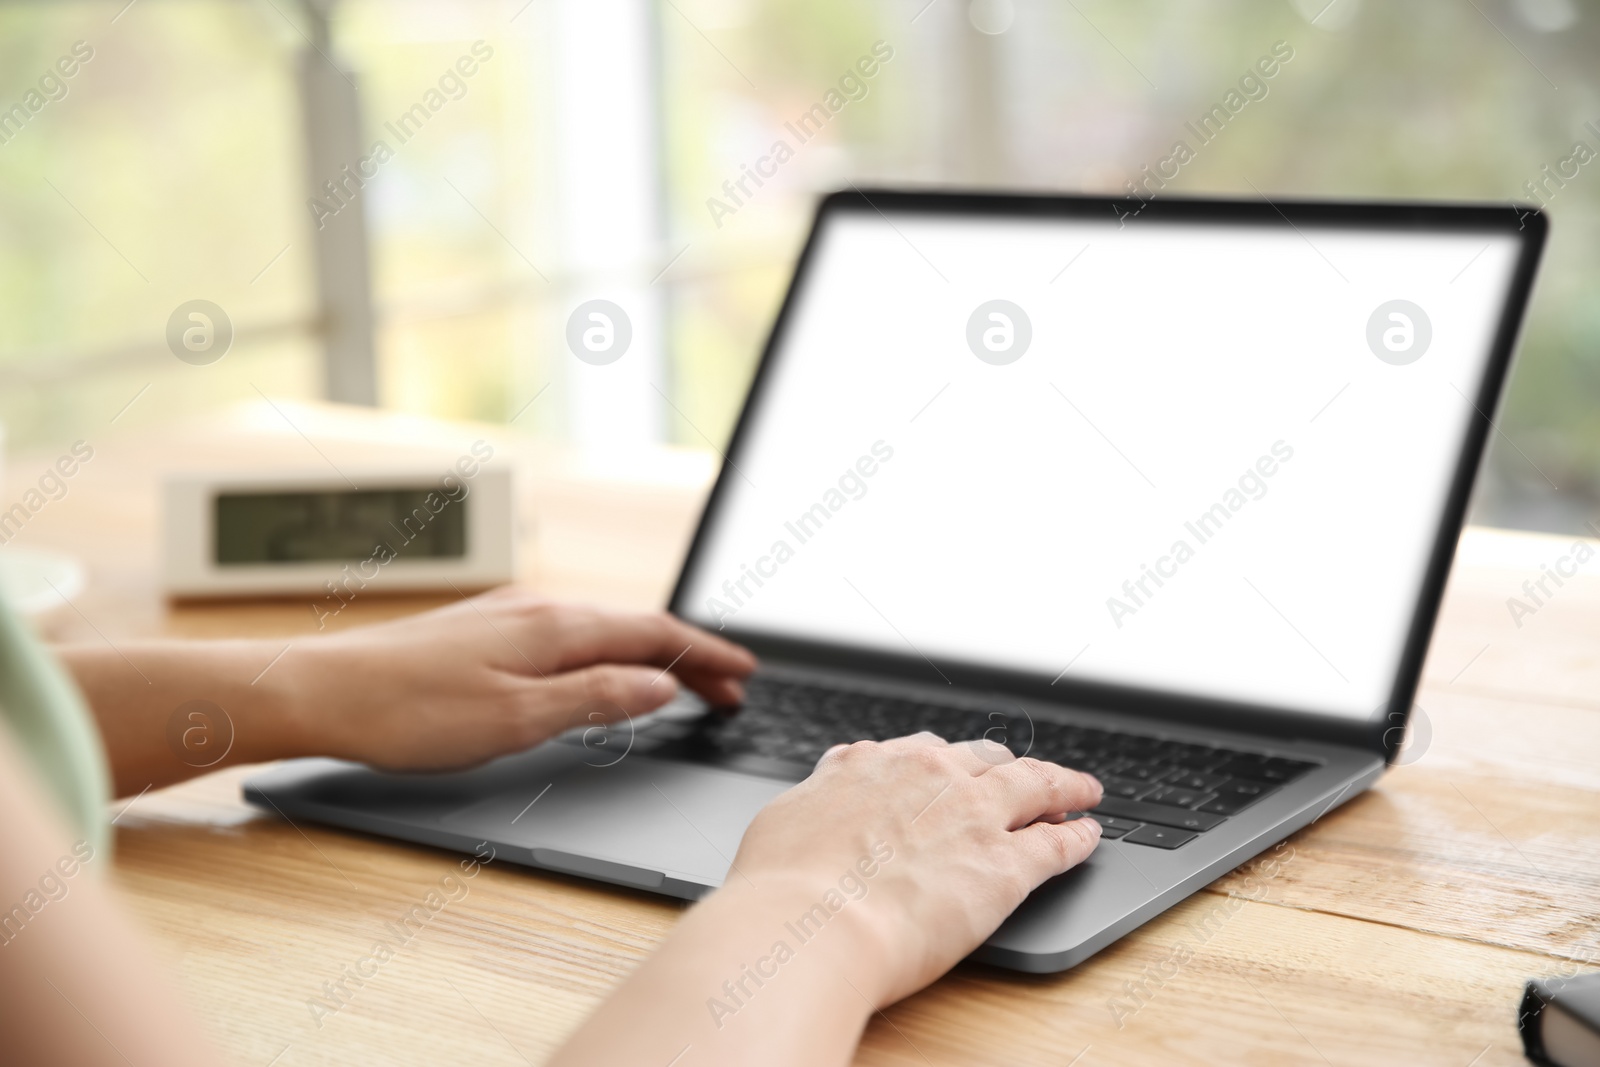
422 522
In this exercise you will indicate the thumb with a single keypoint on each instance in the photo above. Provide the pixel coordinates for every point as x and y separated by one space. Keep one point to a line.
608 692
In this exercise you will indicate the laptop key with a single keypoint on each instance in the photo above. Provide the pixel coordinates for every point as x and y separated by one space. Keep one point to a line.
1274 769
1201 759
1228 805
1279 770
1127 788
1112 828
1178 798
1141 748
1178 818
1236 796
1198 781
1160 837
1152 772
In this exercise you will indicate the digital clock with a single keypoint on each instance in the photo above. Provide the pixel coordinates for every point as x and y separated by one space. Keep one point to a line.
339 533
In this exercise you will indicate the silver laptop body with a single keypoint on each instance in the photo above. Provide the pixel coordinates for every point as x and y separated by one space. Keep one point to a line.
1167 488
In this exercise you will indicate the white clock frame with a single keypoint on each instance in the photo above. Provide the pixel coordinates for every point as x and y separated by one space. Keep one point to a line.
190 569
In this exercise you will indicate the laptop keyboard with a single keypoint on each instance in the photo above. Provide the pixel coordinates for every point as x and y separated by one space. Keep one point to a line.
1158 793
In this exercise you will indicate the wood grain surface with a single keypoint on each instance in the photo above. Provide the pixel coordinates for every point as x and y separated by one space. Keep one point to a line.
1396 929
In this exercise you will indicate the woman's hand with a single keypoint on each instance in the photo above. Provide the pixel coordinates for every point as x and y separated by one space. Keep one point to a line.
850 891
497 673
447 688
959 836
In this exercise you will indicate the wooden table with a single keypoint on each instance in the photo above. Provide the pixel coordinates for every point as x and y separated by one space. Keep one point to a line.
1397 929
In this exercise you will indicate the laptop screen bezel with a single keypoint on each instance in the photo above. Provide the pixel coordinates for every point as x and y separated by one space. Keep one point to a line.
1384 730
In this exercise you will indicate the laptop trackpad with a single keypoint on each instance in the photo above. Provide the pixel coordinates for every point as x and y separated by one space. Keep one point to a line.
630 822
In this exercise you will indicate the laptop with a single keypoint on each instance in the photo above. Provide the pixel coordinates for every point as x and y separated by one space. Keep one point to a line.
1163 490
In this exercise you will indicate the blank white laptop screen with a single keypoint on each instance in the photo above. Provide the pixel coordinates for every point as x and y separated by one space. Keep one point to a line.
1203 458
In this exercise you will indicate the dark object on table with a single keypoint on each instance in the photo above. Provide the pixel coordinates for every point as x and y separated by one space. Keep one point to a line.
1560 1021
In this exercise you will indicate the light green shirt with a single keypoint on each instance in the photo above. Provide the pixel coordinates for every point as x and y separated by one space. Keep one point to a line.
54 729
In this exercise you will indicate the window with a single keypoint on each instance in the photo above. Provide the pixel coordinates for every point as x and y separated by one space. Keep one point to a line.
628 150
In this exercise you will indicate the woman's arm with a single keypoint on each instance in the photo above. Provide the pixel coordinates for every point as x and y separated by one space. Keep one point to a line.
852 890
77 986
447 688
849 892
